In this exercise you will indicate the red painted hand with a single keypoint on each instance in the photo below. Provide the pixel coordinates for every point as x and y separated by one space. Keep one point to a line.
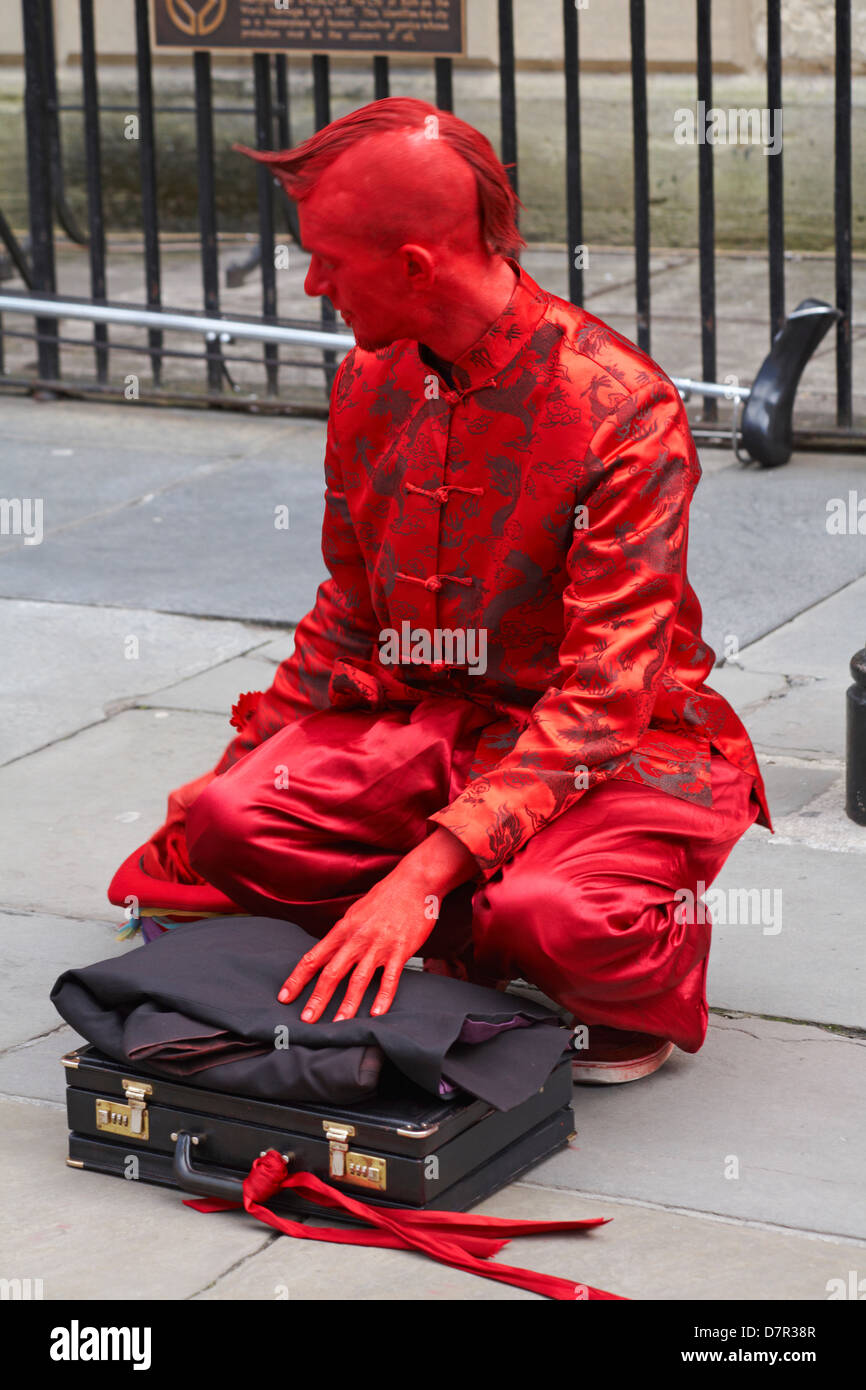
382 930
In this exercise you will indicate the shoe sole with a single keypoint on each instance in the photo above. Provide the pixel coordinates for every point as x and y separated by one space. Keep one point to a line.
615 1073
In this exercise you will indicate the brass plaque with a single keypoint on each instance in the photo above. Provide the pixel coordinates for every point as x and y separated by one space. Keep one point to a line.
434 27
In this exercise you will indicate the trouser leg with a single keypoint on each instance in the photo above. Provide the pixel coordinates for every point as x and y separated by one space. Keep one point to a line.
588 909
305 824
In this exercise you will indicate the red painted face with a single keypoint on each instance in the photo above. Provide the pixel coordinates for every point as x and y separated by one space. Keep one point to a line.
359 280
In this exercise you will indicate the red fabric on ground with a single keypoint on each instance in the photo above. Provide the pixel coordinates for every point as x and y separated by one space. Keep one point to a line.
454 1238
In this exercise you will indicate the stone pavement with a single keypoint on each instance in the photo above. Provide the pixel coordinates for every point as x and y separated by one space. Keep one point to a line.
162 589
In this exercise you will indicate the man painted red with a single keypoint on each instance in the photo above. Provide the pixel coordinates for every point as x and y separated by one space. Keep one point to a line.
493 744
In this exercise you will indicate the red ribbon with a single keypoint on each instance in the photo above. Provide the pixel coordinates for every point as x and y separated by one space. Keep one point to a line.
453 1238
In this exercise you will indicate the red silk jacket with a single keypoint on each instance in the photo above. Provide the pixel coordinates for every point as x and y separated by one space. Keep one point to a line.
544 502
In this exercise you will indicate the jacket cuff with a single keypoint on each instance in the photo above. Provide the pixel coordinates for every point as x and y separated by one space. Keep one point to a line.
476 838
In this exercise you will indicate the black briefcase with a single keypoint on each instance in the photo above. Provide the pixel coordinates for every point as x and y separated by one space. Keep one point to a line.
401 1148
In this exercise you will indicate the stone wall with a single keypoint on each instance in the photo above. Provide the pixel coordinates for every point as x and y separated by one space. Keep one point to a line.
738 33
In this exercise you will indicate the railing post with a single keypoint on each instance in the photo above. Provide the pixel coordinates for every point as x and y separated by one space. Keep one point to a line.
147 166
775 184
381 77
39 181
842 213
264 141
573 180
207 208
640 156
443 69
706 210
93 155
321 118
507 92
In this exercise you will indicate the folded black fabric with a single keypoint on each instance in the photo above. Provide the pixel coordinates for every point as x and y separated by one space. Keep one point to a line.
208 988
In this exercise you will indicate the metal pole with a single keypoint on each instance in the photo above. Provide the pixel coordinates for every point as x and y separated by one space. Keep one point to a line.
184 323
842 211
706 209
443 68
640 142
573 182
147 165
264 178
381 79
507 94
93 157
207 207
775 185
39 181
321 118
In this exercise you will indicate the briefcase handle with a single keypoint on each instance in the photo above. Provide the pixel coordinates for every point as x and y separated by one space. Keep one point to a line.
200 1182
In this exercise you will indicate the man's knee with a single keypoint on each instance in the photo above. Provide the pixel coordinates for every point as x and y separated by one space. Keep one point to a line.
516 920
217 827
609 933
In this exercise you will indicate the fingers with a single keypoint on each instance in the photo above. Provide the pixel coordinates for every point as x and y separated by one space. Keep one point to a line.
308 966
364 972
327 982
388 987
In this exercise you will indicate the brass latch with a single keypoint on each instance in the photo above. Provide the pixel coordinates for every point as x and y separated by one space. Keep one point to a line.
115 1117
364 1170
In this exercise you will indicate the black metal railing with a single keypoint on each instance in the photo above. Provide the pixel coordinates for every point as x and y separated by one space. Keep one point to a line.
271 120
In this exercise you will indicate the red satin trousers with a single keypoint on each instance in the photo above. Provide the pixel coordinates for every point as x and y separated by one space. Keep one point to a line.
586 910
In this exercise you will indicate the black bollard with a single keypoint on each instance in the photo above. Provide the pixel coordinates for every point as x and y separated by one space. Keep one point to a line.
855 754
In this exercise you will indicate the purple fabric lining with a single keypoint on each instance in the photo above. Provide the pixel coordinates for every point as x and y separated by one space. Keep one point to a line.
476 1031
150 931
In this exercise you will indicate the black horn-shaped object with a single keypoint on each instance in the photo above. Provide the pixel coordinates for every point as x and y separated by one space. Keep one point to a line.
766 423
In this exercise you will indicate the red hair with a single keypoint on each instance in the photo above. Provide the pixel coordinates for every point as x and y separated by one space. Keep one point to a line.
299 169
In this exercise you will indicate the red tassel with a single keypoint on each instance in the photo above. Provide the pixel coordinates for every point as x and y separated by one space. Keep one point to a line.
454 1238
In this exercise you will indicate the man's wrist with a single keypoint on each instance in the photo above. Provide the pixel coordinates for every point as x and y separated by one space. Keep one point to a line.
440 863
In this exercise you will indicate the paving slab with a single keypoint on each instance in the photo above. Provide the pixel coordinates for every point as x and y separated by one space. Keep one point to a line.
34 950
808 721
73 483
776 1103
278 648
32 1071
797 951
87 1236
215 690
133 429
84 804
744 690
822 824
643 1253
208 546
792 785
745 526
64 665
820 641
